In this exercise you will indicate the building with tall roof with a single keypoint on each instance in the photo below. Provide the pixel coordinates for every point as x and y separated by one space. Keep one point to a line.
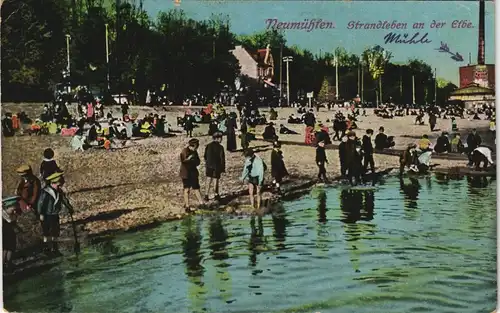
257 65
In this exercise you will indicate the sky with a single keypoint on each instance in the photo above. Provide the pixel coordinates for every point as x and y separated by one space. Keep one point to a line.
248 17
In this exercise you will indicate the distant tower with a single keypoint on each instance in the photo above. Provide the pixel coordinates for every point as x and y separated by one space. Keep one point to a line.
481 47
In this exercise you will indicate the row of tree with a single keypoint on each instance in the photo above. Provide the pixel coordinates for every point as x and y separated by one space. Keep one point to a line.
189 56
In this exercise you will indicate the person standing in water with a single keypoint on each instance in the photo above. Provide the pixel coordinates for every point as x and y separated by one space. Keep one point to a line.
321 161
353 157
189 172
215 164
253 174
368 151
342 158
50 204
278 168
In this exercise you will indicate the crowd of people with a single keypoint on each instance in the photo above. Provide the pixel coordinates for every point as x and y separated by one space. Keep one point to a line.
44 197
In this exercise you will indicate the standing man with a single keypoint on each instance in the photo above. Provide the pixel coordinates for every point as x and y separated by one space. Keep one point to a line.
368 151
353 157
215 163
342 158
189 172
28 189
321 160
278 168
432 120
473 141
124 107
50 204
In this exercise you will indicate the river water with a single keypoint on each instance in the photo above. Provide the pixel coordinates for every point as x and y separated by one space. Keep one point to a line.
426 245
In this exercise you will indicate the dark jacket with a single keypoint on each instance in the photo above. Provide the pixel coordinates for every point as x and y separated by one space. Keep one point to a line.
215 157
407 158
432 119
367 145
189 166
342 151
52 201
380 141
269 133
278 168
442 144
309 119
321 155
352 156
49 167
29 191
473 141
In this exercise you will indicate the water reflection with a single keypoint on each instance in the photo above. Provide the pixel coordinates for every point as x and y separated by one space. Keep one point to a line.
443 180
322 207
191 246
256 239
218 239
410 192
280 223
356 205
477 182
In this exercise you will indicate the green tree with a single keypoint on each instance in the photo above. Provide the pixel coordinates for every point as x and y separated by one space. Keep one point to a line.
33 43
377 58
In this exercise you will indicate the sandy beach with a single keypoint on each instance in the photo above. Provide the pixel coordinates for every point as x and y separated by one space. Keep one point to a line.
139 184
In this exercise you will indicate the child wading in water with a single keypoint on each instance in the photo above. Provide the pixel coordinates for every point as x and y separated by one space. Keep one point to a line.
50 204
321 160
10 209
253 175
278 169
189 172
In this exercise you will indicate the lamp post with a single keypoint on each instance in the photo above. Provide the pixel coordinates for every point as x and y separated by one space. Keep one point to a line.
107 56
68 66
336 62
281 74
435 87
287 60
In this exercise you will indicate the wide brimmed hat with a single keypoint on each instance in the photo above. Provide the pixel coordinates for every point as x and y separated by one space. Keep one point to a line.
23 169
54 178
10 201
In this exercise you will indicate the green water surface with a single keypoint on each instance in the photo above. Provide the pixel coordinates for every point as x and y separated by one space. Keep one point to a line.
420 245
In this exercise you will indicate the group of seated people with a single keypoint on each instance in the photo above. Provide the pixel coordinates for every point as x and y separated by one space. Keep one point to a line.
12 123
385 112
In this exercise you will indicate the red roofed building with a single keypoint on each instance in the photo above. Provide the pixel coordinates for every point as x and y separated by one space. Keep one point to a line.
258 65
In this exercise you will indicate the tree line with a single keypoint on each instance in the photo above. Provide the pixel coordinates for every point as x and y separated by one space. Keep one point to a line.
187 56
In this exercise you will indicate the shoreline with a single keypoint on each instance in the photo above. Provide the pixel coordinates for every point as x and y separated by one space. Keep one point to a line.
138 187
29 259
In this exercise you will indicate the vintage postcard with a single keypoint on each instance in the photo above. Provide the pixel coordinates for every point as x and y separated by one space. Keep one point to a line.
248 156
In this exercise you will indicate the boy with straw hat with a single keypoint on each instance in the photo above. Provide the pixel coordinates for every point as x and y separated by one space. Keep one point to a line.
50 204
